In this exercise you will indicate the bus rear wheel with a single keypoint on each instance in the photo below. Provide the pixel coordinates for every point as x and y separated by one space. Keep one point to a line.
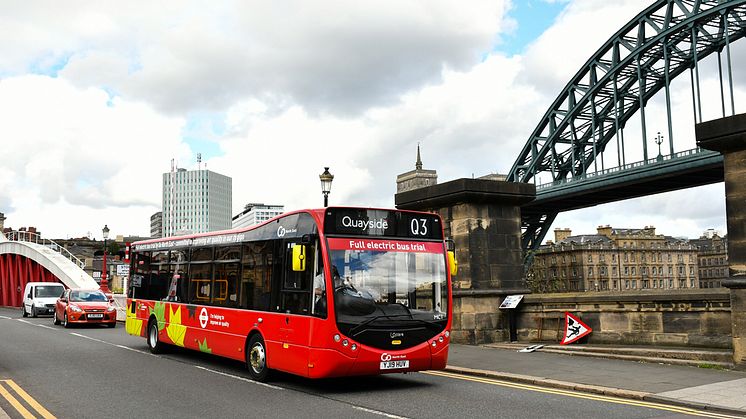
256 359
155 345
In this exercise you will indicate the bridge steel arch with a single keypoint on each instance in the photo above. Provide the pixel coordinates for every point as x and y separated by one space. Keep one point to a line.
27 261
642 58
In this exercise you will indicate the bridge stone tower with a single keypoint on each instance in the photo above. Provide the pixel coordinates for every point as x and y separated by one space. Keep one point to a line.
728 136
483 218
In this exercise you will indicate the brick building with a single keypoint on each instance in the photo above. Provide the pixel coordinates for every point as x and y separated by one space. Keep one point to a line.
614 259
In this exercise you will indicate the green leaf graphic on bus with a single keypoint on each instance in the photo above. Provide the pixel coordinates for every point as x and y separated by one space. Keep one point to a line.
203 347
160 314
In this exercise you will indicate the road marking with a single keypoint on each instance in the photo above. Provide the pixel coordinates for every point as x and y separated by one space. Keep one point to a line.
46 327
579 395
237 377
6 318
377 412
26 397
25 321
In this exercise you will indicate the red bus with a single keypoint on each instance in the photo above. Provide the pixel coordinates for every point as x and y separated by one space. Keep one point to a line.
317 293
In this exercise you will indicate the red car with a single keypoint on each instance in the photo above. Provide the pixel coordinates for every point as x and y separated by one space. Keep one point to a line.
78 306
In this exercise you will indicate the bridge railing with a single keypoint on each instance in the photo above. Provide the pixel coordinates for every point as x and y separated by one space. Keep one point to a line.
655 160
31 237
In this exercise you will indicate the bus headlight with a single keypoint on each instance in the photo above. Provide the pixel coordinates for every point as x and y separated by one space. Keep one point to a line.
434 343
440 339
336 338
345 343
353 347
448 334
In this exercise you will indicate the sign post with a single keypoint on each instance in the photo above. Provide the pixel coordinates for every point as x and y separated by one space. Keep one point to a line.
509 304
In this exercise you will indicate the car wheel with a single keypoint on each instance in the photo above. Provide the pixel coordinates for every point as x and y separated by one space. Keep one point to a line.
65 322
33 311
256 359
23 310
155 345
55 320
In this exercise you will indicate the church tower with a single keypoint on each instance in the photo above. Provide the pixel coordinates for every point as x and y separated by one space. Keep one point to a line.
417 178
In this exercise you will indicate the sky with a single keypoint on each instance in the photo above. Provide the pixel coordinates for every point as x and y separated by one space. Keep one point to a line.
97 98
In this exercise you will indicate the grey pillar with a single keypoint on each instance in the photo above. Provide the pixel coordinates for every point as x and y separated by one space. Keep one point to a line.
728 136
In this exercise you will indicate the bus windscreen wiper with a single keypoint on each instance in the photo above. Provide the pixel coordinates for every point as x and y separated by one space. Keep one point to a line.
372 319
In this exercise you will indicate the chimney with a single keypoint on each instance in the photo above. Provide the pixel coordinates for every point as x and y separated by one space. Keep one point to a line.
604 230
650 230
561 234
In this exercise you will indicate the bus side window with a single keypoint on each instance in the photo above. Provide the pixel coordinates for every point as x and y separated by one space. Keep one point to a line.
255 273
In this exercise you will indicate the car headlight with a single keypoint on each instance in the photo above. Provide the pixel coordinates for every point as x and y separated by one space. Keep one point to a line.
76 308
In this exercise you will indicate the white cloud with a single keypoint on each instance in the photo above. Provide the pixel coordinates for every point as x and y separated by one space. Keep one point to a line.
67 147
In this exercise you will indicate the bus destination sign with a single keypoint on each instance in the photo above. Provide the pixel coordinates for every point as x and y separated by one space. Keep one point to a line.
368 222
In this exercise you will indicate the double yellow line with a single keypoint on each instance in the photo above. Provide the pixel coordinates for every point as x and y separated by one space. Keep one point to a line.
40 410
579 395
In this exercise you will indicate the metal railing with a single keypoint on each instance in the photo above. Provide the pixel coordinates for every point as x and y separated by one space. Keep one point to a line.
31 237
655 160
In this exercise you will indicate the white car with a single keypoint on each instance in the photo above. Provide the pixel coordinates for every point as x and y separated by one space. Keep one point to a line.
40 298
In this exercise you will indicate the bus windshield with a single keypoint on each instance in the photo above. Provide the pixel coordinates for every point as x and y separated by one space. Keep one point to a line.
384 281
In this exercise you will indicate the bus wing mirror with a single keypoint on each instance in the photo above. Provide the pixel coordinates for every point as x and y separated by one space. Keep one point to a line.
299 257
452 263
450 245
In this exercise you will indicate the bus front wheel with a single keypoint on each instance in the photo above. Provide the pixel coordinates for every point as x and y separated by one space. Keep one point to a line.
256 359
155 345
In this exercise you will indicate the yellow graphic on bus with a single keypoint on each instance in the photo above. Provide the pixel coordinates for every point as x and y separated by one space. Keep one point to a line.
175 330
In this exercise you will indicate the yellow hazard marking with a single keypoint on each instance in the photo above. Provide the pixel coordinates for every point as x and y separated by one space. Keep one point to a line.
579 395
26 397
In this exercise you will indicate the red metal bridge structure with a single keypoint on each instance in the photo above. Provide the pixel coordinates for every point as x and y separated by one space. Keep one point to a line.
26 257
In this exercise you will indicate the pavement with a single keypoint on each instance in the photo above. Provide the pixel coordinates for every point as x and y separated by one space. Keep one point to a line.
713 389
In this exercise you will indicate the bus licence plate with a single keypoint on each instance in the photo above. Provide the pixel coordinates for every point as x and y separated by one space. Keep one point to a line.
392 365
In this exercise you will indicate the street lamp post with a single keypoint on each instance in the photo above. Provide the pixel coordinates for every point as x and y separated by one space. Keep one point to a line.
326 184
659 141
104 282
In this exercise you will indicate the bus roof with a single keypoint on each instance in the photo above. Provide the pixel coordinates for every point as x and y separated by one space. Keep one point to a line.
316 213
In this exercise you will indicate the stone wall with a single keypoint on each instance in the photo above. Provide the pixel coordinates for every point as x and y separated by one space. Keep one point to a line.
476 317
696 318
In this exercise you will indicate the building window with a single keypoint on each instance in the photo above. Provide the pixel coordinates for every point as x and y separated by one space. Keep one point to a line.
626 284
633 271
626 270
590 271
634 284
590 257
613 271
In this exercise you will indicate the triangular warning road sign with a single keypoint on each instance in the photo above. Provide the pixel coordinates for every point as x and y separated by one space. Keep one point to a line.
574 329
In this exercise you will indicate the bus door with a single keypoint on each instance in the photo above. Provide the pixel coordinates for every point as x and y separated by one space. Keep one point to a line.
294 304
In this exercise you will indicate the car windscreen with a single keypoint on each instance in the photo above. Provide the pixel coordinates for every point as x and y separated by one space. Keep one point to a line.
83 296
51 291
